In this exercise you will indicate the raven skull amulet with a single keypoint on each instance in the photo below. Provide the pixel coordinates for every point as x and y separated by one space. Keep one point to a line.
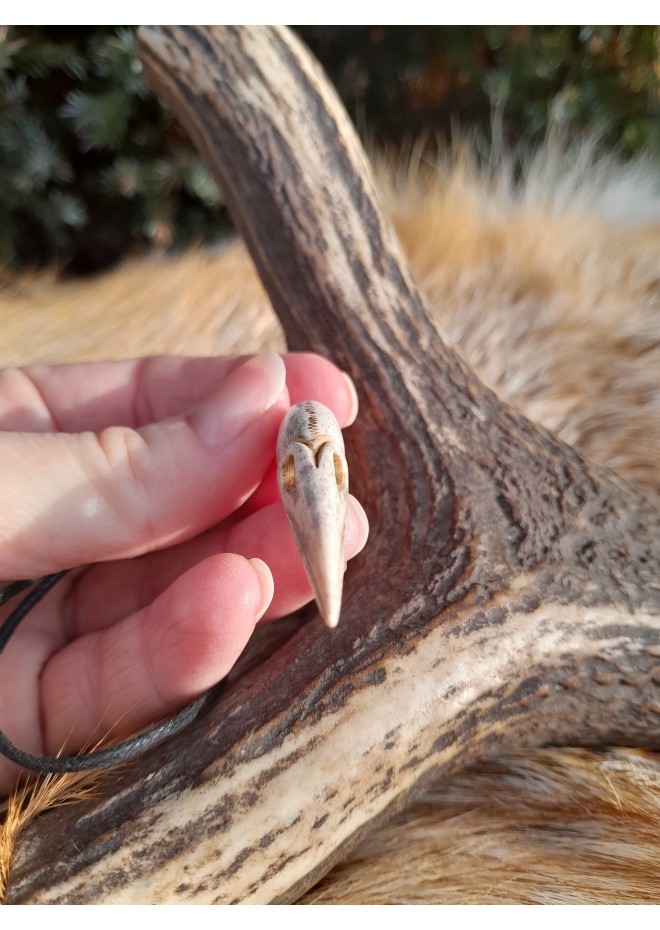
313 480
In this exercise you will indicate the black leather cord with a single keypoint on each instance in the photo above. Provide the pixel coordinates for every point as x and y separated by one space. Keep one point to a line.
14 588
99 758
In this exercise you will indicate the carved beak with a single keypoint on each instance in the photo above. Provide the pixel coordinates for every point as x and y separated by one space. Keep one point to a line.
313 479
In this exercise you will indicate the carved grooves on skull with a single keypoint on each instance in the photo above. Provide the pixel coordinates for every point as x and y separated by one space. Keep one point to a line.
289 470
312 421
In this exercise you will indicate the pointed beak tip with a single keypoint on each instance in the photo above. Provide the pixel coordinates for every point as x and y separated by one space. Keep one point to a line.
328 602
331 620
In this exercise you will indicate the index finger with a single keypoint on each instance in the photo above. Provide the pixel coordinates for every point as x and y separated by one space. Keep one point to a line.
94 395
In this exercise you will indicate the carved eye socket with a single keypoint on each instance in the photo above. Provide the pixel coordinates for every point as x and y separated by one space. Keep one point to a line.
340 475
289 475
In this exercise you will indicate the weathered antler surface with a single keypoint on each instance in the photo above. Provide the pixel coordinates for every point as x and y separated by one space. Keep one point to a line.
509 592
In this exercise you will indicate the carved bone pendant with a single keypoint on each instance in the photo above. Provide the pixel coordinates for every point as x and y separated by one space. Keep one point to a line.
313 478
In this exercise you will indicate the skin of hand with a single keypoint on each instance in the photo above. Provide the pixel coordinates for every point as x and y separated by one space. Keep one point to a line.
157 477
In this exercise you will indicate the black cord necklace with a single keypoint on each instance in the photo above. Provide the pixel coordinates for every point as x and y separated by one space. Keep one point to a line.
98 758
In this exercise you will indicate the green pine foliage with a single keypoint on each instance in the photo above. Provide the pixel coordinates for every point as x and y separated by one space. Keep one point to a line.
92 169
400 81
91 166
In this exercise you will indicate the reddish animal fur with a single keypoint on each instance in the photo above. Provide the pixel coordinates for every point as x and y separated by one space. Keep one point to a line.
550 291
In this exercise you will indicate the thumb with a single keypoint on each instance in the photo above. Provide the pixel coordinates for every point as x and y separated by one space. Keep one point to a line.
74 498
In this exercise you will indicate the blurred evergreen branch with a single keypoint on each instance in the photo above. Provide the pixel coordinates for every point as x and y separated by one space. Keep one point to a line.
93 169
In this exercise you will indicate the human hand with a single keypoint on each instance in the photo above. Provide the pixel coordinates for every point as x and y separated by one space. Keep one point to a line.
160 471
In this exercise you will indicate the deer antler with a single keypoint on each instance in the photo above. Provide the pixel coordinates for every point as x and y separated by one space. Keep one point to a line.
508 596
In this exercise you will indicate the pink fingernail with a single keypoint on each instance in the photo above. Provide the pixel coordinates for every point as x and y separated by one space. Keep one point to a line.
354 397
243 397
362 522
267 585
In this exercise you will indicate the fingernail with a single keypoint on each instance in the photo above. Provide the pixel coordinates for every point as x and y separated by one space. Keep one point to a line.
242 398
267 585
362 523
355 406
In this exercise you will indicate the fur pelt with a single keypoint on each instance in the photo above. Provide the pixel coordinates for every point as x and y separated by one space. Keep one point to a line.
545 276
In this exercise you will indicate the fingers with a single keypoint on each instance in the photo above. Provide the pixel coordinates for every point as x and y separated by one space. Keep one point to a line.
93 396
75 498
88 497
148 635
310 377
109 592
157 659
333 388
266 535
267 493
173 446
